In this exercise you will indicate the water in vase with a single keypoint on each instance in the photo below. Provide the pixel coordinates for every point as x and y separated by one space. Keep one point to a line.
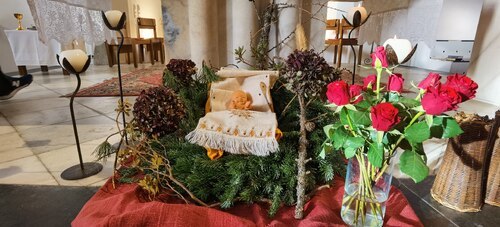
374 208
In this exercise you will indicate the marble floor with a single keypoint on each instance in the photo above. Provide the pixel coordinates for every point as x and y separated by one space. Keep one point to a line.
36 135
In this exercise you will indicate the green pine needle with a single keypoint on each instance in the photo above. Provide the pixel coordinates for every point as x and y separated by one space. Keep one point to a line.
103 151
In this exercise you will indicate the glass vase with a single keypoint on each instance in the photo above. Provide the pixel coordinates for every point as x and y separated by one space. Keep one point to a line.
366 192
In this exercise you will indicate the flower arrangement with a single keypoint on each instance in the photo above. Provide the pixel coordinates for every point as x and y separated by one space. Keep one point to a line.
375 122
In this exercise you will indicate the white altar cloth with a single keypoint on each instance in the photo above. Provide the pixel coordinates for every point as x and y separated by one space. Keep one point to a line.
29 51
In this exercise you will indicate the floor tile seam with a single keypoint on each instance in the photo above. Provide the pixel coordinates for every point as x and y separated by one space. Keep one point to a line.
16 159
60 123
18 134
23 101
430 205
48 171
78 181
99 112
57 123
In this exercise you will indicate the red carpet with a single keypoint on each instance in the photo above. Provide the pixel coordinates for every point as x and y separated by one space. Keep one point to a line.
133 83
122 207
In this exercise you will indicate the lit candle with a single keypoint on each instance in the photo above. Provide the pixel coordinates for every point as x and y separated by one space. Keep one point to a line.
113 17
402 47
76 58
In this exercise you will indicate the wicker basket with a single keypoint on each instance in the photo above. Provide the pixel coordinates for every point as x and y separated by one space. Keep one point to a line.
493 185
459 184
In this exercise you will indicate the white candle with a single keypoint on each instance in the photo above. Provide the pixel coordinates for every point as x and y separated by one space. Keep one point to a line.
402 47
113 17
352 11
76 58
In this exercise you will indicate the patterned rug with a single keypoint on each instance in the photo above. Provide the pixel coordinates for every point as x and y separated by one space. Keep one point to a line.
133 83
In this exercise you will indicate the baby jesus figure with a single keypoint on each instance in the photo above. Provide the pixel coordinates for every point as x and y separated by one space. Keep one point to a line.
240 101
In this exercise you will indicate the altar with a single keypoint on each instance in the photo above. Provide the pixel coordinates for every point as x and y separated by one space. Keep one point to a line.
28 50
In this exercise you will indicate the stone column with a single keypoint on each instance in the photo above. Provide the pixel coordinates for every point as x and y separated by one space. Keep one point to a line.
244 26
287 22
317 30
203 32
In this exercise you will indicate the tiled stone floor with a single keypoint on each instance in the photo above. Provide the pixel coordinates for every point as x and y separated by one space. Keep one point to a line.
36 135
37 142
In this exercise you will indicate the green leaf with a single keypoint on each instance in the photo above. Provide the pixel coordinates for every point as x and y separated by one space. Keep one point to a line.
363 105
360 118
380 136
412 165
437 127
331 105
445 127
408 103
429 119
376 154
393 97
354 142
339 138
338 109
350 107
451 128
395 132
327 148
343 117
357 118
418 132
327 130
418 109
349 152
419 149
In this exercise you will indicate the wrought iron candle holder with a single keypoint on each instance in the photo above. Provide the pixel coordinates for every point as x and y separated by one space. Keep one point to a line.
398 51
76 62
115 20
358 17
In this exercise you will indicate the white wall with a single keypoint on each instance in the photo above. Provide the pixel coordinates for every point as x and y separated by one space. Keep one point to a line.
146 9
486 54
8 22
458 19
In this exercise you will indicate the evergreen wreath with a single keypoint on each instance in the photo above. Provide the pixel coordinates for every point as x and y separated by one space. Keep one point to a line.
171 165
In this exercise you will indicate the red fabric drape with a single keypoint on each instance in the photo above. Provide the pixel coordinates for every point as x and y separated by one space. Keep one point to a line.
122 207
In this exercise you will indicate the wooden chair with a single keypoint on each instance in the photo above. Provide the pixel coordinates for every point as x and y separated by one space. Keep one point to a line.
155 45
341 29
129 46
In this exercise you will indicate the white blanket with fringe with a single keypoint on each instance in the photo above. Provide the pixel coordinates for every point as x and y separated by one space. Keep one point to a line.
237 132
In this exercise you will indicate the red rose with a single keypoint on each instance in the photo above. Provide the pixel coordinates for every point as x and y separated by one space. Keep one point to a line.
338 93
370 79
355 92
380 55
384 116
432 80
395 83
440 99
463 85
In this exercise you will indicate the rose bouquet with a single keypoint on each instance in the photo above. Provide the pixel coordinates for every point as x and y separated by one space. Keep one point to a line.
375 122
